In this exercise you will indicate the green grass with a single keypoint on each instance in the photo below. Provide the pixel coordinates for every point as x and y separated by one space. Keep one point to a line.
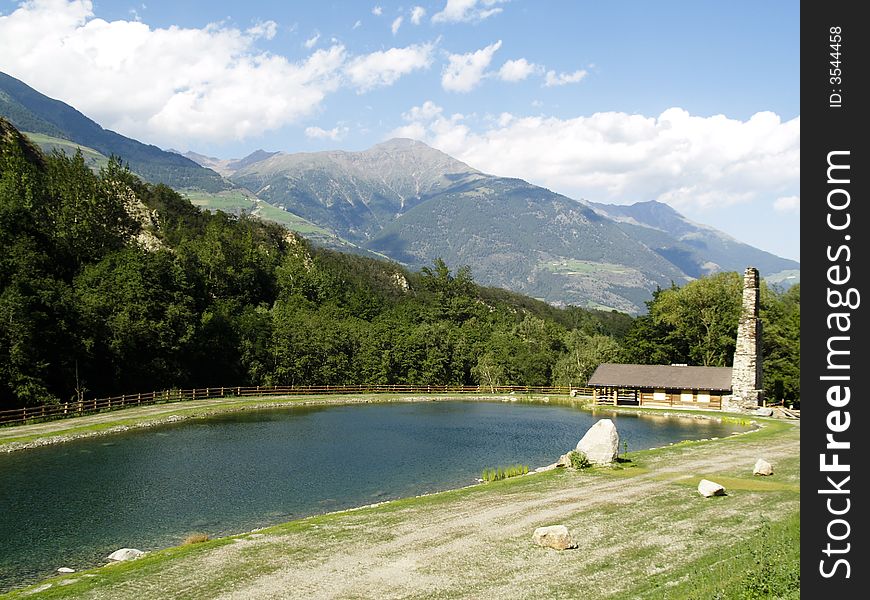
572 266
229 201
93 159
499 473
766 564
235 201
290 220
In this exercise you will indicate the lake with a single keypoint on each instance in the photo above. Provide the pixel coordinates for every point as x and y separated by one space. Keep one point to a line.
72 504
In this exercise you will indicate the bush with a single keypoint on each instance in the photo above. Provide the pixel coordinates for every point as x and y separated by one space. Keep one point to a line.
504 472
195 538
578 459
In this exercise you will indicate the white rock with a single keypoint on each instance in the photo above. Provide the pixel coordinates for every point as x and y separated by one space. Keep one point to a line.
601 443
546 468
564 461
554 536
66 570
125 554
762 467
709 488
763 411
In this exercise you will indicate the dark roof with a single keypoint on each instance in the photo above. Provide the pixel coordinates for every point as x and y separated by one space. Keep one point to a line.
662 376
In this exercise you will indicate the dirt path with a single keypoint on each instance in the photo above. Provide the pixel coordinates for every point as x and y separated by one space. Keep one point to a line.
476 543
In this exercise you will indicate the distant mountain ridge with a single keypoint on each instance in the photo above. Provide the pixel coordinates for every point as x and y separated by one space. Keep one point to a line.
30 111
414 203
696 249
354 193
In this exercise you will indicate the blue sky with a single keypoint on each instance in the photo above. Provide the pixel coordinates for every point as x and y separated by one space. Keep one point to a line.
692 103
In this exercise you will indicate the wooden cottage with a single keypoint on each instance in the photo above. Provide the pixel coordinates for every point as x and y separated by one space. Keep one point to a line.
661 386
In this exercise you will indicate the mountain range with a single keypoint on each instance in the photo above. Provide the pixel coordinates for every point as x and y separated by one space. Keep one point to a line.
57 124
411 203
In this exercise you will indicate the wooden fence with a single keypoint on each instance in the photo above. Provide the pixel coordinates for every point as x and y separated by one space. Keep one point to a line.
83 407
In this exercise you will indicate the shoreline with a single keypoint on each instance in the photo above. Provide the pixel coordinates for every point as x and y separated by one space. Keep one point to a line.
666 470
100 424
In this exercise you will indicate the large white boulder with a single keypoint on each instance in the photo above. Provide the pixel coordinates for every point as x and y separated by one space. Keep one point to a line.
125 554
601 443
554 536
709 488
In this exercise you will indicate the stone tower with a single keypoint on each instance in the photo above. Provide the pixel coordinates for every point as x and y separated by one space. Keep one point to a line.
746 390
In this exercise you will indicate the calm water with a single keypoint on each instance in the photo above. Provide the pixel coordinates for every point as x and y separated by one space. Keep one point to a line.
72 504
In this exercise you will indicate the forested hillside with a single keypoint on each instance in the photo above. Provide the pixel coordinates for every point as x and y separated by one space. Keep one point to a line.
110 285
31 111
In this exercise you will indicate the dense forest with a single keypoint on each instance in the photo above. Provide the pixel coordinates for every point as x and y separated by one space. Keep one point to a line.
110 285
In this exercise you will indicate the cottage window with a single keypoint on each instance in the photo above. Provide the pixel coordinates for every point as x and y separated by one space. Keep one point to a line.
687 396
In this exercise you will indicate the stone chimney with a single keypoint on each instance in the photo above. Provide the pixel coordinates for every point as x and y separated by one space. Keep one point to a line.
746 391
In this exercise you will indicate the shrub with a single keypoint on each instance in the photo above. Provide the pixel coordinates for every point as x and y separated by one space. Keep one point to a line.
504 472
195 538
578 459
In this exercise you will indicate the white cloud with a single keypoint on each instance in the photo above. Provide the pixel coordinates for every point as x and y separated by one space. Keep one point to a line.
397 22
552 79
428 111
266 30
180 86
384 67
377 11
517 70
687 161
312 41
787 204
417 14
456 11
465 71
318 133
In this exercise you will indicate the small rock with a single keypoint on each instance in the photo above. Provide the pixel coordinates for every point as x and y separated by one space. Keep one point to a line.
545 399
125 554
546 468
709 488
554 536
762 467
601 443
564 460
763 412
66 570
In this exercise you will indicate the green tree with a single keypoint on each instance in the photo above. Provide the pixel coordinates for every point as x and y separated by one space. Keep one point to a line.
781 344
584 354
702 317
139 321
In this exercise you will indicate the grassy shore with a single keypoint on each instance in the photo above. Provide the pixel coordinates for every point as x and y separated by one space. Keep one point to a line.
643 532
